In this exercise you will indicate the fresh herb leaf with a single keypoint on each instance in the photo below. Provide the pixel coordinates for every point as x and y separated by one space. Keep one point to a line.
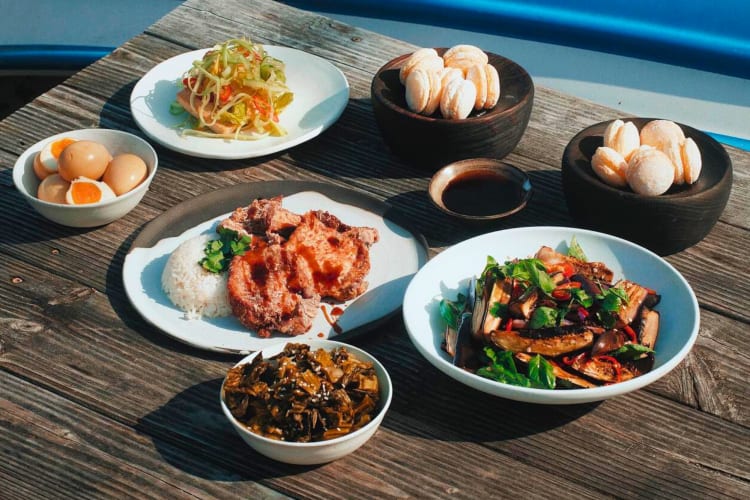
613 298
543 317
582 297
219 252
498 309
502 368
541 373
530 271
450 311
575 250
631 351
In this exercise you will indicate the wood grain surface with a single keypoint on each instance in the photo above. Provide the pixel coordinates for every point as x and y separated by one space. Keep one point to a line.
95 402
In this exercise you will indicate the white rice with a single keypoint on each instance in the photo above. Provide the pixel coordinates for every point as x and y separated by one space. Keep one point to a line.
190 287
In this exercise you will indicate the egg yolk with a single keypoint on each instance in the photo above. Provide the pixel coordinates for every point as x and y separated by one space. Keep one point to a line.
58 146
85 192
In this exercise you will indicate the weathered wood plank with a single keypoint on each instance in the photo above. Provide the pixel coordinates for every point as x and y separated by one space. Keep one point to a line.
54 448
178 405
74 353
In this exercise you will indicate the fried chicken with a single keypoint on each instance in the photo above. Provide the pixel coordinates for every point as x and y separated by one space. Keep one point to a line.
292 264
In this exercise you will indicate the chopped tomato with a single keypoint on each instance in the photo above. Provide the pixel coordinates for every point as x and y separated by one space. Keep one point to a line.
226 93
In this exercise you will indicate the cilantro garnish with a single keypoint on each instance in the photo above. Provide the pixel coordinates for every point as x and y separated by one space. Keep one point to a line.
219 252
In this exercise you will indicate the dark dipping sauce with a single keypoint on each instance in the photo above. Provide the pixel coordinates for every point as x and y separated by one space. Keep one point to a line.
482 192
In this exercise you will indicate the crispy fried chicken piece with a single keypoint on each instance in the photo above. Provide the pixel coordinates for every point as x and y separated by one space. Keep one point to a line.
265 217
278 284
334 255
266 293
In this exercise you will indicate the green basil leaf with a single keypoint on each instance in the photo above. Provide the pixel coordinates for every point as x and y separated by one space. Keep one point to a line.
543 317
450 313
631 351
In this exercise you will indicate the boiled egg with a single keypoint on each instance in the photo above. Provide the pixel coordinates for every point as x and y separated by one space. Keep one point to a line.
53 189
125 172
46 162
83 190
83 159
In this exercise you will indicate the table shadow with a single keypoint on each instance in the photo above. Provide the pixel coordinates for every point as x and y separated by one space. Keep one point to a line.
191 433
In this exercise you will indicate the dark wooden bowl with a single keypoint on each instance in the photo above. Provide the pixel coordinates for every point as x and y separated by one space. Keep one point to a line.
665 224
432 141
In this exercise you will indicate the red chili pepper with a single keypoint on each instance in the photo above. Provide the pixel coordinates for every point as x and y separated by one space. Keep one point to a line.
189 82
582 313
226 93
615 364
561 294
509 325
568 270
261 106
631 333
570 361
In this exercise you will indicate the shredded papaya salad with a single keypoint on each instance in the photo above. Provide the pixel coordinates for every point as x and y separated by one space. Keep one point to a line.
237 91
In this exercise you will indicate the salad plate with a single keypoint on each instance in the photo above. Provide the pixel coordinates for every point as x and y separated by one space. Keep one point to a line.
394 259
448 274
321 92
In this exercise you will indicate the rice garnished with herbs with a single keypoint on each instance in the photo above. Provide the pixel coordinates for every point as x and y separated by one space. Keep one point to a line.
190 287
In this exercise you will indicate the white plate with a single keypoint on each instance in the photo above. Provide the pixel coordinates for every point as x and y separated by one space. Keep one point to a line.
394 259
321 93
448 273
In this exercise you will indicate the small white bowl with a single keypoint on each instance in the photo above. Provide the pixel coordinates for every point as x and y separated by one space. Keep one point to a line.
94 214
317 452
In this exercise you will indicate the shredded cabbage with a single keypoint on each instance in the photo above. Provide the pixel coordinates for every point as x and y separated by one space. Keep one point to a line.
240 86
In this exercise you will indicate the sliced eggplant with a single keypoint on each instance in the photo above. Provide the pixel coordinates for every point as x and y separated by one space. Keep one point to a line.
636 296
649 328
494 291
608 342
652 300
546 346
602 369
587 284
465 355
564 378
524 306
450 337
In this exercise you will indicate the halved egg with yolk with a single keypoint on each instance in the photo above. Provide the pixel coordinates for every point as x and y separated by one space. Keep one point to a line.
45 162
83 191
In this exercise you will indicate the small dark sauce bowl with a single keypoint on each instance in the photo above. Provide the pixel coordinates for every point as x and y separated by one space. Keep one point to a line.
480 189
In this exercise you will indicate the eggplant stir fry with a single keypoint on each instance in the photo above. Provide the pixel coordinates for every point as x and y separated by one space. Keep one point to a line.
552 321
303 395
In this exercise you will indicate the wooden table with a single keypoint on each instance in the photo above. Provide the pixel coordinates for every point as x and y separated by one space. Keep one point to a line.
98 403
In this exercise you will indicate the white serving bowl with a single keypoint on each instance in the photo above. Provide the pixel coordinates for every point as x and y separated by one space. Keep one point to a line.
449 272
93 214
317 452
